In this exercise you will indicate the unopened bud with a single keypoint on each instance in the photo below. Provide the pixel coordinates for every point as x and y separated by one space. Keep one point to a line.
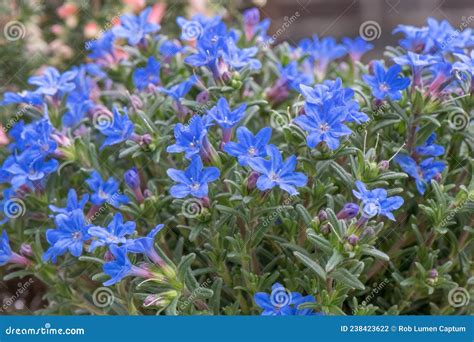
325 229
322 215
353 239
349 211
384 165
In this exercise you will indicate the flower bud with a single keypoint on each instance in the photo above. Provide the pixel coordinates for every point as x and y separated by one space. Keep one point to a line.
325 229
203 97
349 211
132 179
438 177
384 165
433 273
252 180
322 215
353 239
26 250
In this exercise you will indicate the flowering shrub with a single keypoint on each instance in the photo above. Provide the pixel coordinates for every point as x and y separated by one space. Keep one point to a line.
219 173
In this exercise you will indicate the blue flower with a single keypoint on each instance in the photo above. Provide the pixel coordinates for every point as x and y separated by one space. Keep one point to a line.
170 48
53 83
145 245
121 266
240 58
118 130
105 191
72 204
415 38
466 63
249 146
69 235
422 173
27 169
323 124
132 178
417 63
323 51
429 148
7 256
114 234
101 47
75 113
281 302
29 97
189 138
253 26
291 74
276 172
376 202
177 92
150 74
193 181
135 28
357 47
387 83
224 116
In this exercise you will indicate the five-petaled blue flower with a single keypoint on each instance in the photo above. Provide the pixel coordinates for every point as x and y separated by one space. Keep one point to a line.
249 145
429 148
118 129
114 234
177 92
150 74
145 245
224 116
135 28
105 191
376 201
276 172
423 173
324 124
193 181
281 302
189 138
386 83
356 47
69 235
53 83
121 266
72 204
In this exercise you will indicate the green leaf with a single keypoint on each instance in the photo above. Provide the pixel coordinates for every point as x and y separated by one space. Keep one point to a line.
319 241
315 267
184 265
347 278
335 224
333 261
375 253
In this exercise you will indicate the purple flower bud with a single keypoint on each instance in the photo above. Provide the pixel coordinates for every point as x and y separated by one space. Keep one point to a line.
252 180
350 210
325 229
203 97
152 300
369 231
108 256
353 239
437 177
132 179
384 165
433 273
322 215
26 250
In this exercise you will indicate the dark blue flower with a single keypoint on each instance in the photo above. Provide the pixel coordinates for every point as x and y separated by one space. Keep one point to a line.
72 204
324 124
249 146
27 169
132 178
121 266
145 245
117 130
194 180
224 116
429 148
101 47
376 201
69 235
350 210
387 83
75 113
150 74
135 28
357 47
422 173
53 83
276 172
105 191
189 138
114 234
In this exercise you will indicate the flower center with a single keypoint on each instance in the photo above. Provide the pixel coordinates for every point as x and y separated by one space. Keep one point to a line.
76 235
273 176
252 151
195 186
383 87
324 127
